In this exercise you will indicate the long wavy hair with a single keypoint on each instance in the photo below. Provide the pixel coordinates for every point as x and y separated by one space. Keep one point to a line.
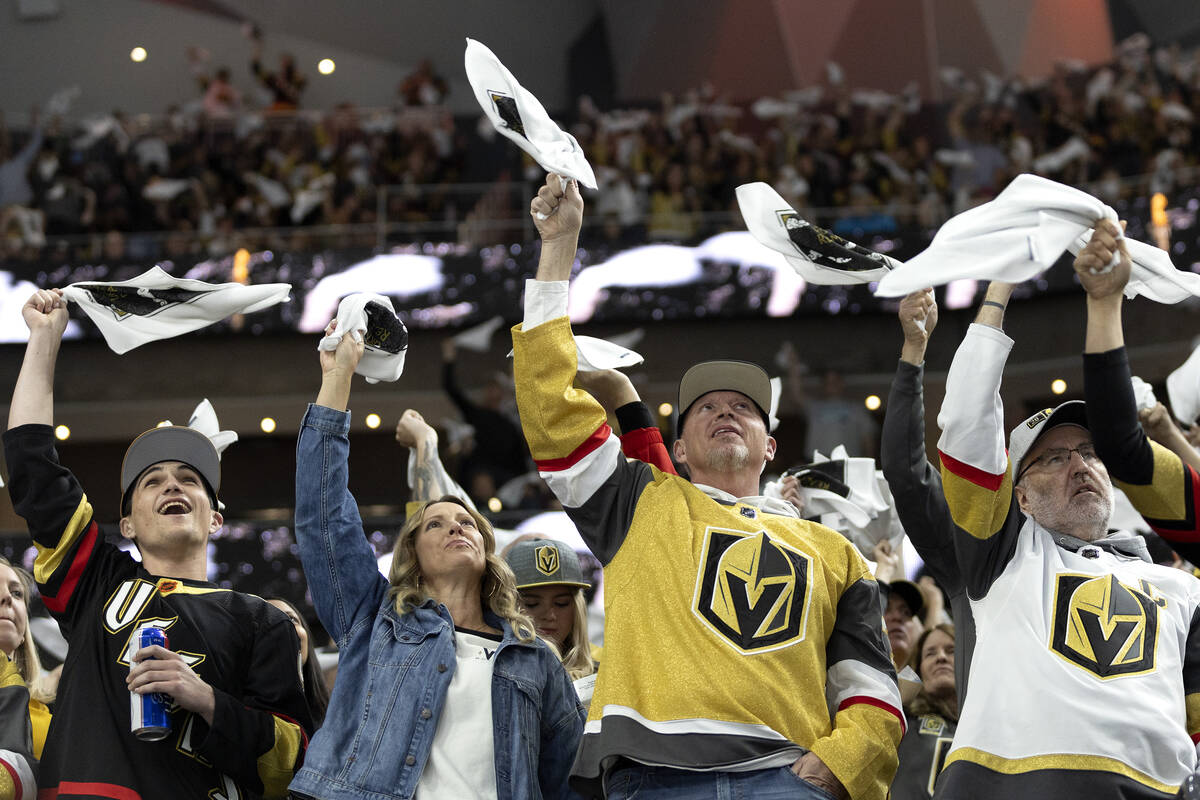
925 703
316 693
26 656
497 587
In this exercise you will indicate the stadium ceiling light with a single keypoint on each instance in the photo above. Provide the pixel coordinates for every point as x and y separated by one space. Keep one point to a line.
494 504
1058 386
62 433
665 409
373 420
267 424
137 54
872 402
326 66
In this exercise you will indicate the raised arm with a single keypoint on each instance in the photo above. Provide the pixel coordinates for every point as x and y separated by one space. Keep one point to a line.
915 483
1162 486
427 476
33 397
575 450
976 477
338 561
640 437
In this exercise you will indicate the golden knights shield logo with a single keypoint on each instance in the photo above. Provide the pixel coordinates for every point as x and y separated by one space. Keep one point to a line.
753 590
545 558
1104 626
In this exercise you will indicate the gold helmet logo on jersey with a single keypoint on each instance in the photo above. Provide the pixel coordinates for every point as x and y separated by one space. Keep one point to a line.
1104 626
545 558
752 590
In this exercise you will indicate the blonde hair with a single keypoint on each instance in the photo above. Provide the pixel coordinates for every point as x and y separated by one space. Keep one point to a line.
577 659
25 656
497 588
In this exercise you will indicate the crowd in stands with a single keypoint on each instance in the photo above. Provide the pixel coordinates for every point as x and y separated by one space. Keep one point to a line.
204 171
752 647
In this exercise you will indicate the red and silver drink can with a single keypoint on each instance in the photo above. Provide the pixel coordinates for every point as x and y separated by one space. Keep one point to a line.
148 717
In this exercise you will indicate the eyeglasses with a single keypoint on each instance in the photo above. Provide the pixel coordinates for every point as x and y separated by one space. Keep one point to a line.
1057 457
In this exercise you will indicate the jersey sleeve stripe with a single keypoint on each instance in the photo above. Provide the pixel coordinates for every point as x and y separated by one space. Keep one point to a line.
874 701
58 601
49 559
574 485
975 475
593 442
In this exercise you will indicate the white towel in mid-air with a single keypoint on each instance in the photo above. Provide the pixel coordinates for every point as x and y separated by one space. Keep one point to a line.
517 114
1024 231
819 256
155 305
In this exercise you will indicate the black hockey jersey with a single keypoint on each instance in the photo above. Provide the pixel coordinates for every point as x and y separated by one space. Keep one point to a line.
237 643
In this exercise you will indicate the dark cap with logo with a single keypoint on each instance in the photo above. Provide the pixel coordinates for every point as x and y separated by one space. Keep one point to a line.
170 443
545 562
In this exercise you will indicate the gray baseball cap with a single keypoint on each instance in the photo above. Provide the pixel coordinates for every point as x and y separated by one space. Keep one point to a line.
733 376
545 562
171 443
1023 437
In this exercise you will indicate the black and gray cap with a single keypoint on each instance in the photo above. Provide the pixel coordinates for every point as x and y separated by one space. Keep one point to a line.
545 562
170 443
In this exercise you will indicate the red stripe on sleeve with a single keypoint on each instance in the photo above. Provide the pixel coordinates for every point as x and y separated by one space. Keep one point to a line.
973 474
16 781
579 453
58 602
862 699
1196 738
110 790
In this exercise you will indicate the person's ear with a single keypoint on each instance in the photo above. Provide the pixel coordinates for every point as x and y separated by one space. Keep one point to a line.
771 445
679 451
215 524
126 526
1022 498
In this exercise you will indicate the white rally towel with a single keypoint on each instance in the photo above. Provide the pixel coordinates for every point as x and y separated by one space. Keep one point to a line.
1183 389
204 420
818 255
517 114
478 337
595 355
1143 393
1024 231
155 305
372 318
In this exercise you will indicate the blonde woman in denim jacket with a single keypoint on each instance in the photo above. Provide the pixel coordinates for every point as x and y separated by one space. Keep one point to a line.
443 688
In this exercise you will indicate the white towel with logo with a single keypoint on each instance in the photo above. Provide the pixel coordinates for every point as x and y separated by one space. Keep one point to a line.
517 114
372 318
204 420
818 255
155 305
1024 231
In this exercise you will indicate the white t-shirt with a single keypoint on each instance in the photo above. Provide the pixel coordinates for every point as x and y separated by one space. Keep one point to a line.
462 761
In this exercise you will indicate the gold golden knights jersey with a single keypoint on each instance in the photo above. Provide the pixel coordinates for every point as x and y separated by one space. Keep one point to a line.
735 638
237 643
1085 681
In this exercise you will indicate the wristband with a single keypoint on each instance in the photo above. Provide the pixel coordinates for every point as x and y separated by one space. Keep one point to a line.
1000 306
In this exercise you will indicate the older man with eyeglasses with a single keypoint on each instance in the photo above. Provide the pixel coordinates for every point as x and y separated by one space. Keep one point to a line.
1085 651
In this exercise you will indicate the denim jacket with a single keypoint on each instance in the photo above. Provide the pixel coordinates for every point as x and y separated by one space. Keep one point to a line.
394 669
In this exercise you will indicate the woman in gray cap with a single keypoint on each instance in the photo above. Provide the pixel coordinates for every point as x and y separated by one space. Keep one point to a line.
551 585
